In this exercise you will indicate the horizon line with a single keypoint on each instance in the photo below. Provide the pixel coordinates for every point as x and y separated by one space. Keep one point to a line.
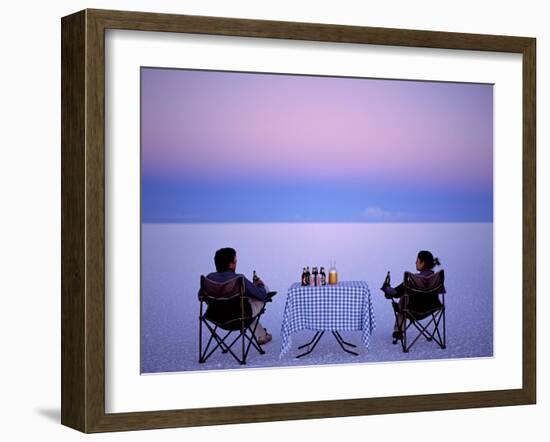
323 222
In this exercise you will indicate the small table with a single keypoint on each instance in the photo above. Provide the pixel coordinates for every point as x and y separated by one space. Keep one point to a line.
340 307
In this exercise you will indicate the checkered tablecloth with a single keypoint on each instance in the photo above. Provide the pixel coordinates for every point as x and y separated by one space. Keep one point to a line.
341 307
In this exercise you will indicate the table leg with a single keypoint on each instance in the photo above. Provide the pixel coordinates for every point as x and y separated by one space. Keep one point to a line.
310 342
341 341
314 341
317 337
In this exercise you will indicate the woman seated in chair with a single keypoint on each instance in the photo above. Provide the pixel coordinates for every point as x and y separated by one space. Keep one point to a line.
425 262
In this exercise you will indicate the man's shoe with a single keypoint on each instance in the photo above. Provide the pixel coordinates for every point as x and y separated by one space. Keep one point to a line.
397 336
265 339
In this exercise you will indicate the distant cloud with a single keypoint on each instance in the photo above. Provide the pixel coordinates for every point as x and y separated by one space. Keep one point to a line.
374 213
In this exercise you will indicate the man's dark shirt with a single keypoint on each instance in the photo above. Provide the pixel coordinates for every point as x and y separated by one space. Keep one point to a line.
251 290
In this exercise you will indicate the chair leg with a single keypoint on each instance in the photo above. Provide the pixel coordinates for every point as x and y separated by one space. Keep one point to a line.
204 355
202 358
246 342
220 343
254 340
431 335
424 330
444 346
437 319
397 324
243 358
200 335
404 333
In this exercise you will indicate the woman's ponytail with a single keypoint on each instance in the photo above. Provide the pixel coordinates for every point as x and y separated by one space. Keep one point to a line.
428 259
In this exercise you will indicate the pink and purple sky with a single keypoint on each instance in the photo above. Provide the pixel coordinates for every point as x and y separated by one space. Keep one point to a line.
251 147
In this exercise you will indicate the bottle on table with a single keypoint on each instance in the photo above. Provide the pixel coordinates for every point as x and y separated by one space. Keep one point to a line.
255 278
308 276
323 276
314 277
333 274
387 281
303 279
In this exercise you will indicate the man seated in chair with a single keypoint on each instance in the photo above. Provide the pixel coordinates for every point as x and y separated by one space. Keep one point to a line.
256 293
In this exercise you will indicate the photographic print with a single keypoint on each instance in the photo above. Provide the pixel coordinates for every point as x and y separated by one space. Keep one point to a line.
302 220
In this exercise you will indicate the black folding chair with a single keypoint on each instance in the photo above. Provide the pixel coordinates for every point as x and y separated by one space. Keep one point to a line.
227 312
422 307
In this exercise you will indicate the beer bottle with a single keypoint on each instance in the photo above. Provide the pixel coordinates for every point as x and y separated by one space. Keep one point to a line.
255 277
323 276
308 275
387 280
314 282
303 280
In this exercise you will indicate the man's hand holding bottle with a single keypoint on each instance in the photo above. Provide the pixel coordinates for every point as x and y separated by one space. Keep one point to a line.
256 280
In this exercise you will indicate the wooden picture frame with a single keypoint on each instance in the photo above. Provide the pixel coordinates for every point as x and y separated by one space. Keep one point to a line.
83 220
